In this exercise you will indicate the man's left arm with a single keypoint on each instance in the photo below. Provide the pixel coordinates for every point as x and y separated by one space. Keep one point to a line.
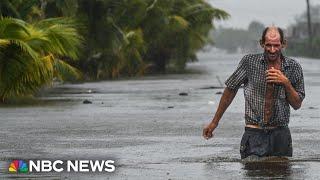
294 90
292 95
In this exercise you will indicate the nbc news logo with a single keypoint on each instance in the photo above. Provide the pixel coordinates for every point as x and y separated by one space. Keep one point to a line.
18 166
24 166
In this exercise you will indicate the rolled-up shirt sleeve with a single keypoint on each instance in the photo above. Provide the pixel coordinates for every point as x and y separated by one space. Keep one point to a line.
239 76
298 81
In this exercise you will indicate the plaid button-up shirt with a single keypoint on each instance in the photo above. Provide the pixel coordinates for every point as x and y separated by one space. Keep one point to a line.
251 72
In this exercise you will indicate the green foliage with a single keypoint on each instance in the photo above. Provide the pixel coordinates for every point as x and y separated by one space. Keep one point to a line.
129 37
27 10
175 30
122 38
59 8
30 54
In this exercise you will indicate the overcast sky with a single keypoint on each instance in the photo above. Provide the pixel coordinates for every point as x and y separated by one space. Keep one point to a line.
281 13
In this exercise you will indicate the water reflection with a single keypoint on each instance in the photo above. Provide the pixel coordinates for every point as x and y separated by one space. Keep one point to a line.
281 169
262 169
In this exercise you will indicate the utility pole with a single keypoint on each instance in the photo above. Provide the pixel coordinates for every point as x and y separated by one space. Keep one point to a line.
309 24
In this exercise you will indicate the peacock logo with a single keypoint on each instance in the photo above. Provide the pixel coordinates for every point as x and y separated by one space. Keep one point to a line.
18 166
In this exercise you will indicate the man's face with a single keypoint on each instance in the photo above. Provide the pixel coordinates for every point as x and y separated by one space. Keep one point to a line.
272 45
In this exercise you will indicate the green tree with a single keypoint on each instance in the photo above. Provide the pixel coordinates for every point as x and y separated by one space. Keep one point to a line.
114 39
130 37
27 10
59 8
31 55
157 32
175 30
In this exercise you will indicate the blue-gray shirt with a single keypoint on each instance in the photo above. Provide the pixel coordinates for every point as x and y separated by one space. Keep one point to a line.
251 72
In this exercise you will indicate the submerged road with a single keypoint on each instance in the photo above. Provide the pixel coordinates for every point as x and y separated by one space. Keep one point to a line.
151 131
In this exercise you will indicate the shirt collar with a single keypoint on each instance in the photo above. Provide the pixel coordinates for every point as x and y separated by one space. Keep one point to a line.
284 59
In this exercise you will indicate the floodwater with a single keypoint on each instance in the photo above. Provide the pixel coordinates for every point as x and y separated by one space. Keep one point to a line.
151 131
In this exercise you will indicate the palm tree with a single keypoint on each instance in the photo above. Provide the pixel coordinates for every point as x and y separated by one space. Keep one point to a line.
31 54
175 30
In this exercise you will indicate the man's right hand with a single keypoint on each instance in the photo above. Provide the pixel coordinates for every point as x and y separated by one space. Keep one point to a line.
225 101
207 131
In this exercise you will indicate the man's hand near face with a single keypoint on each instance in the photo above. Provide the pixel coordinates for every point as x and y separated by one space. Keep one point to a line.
277 77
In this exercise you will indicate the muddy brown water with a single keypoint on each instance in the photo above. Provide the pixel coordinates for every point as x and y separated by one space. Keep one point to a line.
151 131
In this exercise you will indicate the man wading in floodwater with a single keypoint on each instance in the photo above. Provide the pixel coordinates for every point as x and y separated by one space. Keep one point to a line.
271 82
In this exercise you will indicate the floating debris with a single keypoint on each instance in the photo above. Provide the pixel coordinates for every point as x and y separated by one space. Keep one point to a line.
183 94
170 107
219 92
87 102
213 87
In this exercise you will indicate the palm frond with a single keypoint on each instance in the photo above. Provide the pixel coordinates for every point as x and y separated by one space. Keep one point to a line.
64 71
25 48
9 25
203 12
28 55
61 36
21 76
177 23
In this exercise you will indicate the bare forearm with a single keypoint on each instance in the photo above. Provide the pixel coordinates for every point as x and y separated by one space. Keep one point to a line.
225 101
292 96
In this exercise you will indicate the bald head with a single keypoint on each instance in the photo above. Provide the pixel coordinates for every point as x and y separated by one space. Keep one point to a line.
272 33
